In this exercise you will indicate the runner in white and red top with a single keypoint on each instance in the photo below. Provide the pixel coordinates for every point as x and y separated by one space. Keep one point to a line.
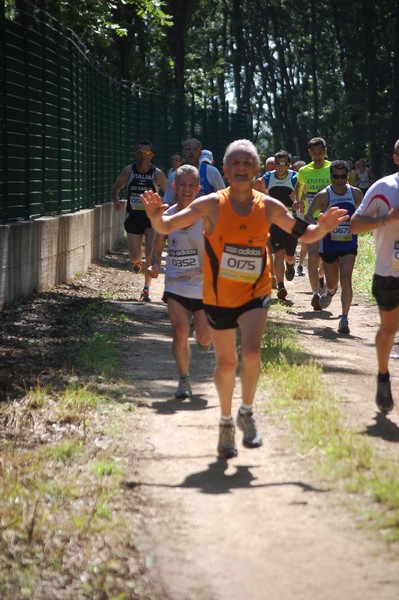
379 212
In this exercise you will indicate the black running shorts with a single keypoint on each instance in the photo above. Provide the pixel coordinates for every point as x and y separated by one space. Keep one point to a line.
137 222
331 257
191 304
281 240
386 292
220 317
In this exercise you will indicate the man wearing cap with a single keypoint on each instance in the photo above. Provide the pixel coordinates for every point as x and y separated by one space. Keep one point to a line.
206 156
210 178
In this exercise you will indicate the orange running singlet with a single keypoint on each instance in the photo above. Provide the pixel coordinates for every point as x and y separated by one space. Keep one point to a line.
236 261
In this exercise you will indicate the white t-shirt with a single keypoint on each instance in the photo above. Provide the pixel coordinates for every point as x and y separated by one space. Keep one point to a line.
378 200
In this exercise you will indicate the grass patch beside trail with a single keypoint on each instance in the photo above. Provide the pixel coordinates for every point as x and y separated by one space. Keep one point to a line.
99 353
67 523
364 265
343 456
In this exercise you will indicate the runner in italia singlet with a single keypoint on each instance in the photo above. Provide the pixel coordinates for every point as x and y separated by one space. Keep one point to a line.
137 184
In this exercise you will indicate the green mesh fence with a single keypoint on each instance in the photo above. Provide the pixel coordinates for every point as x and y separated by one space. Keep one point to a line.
67 129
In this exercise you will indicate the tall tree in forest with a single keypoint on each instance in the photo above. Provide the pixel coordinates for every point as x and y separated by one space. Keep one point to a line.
395 91
299 68
181 11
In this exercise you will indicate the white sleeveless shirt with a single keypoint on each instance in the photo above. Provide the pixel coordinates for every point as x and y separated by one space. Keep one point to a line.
183 269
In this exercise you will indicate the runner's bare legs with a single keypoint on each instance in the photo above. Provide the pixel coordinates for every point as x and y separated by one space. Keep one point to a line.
252 324
224 341
179 318
389 325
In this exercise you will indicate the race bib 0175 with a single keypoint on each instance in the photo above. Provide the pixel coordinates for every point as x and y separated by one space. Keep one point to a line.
241 263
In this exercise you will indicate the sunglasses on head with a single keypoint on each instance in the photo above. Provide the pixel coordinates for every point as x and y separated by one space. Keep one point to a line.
336 176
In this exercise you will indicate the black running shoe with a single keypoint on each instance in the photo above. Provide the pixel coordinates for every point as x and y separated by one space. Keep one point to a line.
316 302
343 325
289 272
281 293
384 399
184 388
300 271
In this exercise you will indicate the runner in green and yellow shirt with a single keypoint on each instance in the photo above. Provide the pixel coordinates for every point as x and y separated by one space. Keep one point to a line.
312 178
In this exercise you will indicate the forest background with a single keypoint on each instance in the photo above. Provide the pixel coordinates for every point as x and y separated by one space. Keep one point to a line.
301 68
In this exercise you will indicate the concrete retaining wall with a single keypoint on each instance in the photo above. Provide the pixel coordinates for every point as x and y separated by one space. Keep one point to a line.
41 254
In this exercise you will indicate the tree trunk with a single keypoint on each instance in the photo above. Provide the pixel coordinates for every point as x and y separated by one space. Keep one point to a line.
180 11
372 76
313 61
394 134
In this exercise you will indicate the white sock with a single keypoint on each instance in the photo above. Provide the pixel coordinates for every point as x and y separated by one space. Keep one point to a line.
245 409
226 419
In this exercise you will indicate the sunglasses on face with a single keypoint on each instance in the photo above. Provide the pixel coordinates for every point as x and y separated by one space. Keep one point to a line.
145 152
282 164
336 176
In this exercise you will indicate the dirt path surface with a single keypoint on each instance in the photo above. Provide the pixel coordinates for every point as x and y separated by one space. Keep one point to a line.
260 526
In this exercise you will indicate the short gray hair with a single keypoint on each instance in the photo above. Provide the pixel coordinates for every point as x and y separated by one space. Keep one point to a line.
245 146
187 170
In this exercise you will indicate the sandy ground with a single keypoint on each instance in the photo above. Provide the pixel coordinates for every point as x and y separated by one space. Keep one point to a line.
260 526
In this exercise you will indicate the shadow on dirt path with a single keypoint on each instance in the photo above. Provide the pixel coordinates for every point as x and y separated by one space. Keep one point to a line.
259 526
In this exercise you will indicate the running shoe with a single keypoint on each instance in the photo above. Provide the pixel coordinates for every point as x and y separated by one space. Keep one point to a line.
136 266
282 293
247 424
289 272
226 443
145 295
203 347
326 297
384 399
343 325
300 271
184 388
315 302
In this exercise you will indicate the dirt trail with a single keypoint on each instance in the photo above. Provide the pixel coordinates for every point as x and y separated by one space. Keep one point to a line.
259 526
